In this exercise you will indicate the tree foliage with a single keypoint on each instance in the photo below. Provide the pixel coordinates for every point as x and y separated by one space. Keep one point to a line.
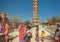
15 21
27 22
54 19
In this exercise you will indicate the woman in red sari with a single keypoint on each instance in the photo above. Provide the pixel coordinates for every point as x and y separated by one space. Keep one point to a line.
6 32
6 26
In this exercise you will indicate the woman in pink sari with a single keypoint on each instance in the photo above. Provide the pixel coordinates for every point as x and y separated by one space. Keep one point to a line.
37 34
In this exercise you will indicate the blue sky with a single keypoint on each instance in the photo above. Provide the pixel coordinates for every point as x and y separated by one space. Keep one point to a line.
23 8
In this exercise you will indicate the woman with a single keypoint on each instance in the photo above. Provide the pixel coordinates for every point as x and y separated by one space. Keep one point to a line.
6 32
21 32
28 35
37 34
57 36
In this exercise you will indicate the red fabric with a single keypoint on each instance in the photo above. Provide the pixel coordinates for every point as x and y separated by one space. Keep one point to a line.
6 31
21 31
57 40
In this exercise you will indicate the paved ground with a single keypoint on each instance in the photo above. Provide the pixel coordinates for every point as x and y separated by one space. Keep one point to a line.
40 30
13 36
33 32
16 39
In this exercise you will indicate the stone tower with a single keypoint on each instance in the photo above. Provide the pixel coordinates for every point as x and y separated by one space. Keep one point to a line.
35 12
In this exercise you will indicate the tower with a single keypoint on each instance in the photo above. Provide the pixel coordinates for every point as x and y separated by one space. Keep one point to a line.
35 12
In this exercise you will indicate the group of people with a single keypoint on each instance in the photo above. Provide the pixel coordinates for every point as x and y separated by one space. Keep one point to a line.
24 33
37 34
56 36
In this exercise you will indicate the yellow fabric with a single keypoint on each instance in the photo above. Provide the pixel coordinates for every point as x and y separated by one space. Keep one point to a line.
43 34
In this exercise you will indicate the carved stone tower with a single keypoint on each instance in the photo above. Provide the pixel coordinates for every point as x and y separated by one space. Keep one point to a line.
35 12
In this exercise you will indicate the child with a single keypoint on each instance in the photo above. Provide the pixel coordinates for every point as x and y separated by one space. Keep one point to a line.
42 35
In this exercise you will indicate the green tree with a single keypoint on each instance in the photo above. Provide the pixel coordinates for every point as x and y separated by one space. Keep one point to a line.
15 21
27 22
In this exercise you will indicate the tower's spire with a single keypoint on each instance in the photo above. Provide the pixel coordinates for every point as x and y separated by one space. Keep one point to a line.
35 0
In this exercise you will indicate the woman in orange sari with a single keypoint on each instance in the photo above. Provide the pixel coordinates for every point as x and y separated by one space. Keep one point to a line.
21 32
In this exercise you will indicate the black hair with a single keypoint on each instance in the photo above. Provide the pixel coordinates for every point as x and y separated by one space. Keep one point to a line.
57 30
1 19
28 26
36 25
55 33
58 25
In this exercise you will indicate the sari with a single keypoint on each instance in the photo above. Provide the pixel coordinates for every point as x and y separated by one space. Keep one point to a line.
21 32
6 31
37 34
